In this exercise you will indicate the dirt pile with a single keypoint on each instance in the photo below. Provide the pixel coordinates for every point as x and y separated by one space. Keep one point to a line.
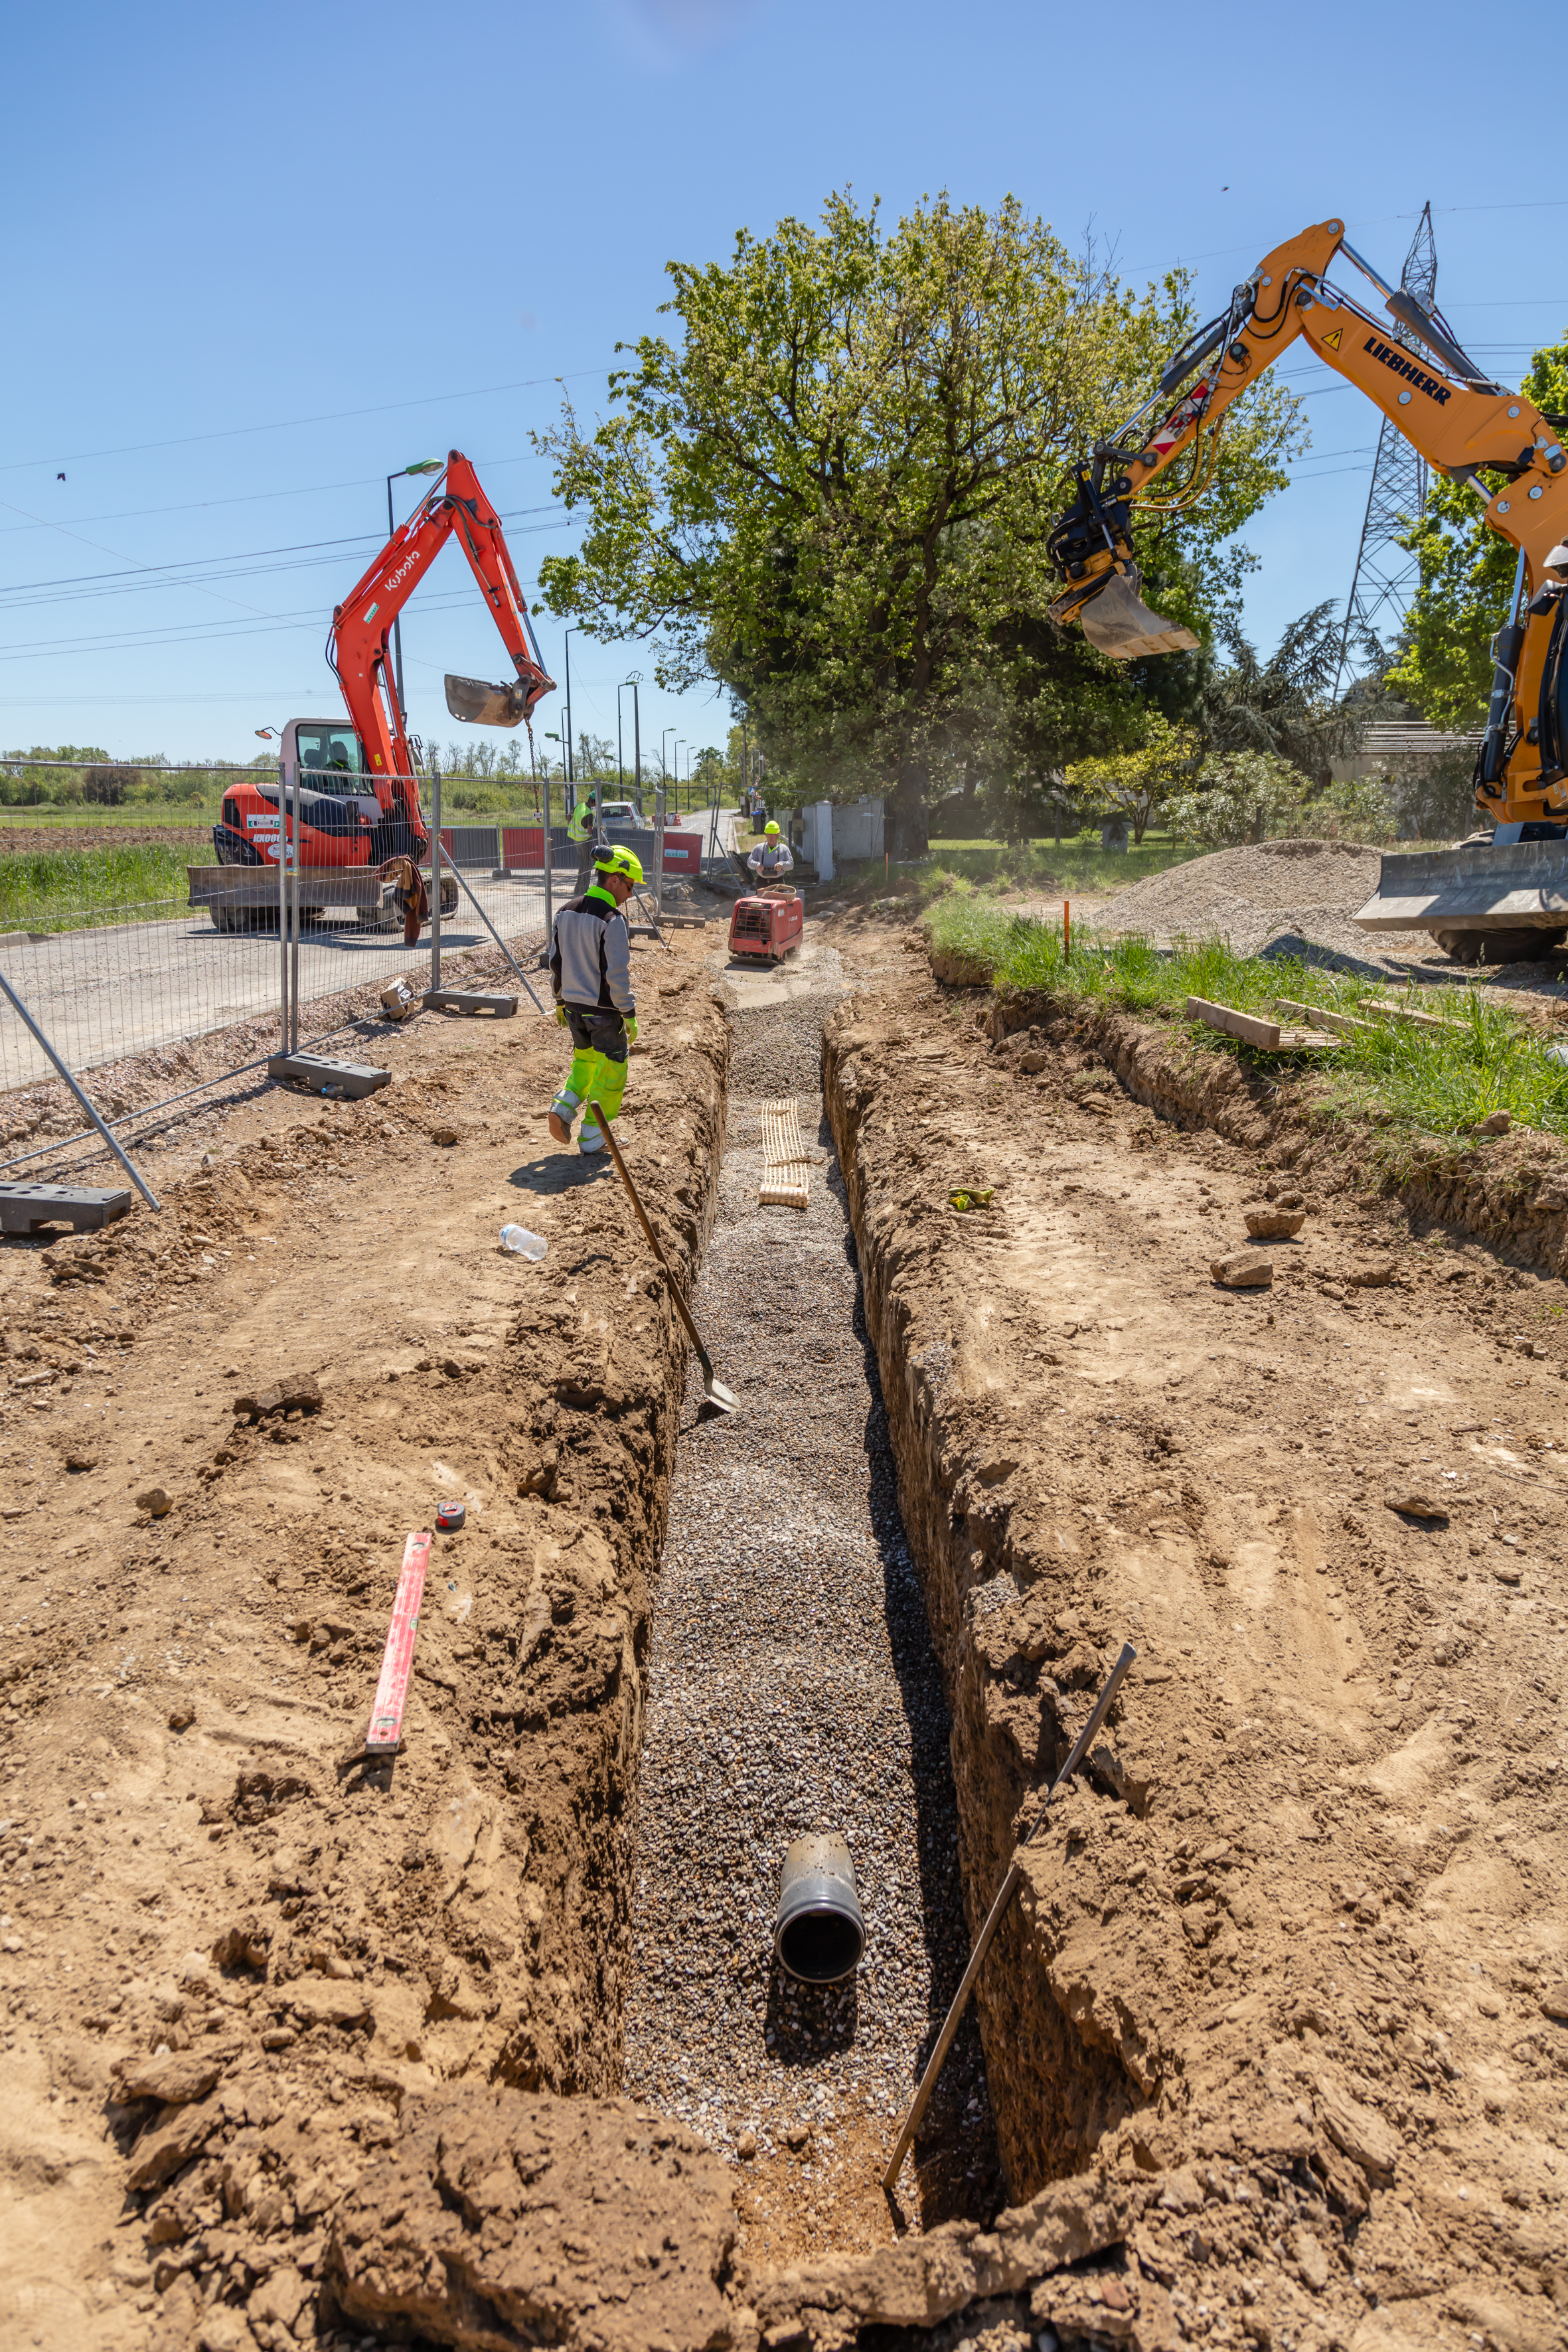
1286 1976
247 1949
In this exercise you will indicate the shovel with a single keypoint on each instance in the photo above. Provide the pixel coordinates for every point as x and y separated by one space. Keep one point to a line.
723 1400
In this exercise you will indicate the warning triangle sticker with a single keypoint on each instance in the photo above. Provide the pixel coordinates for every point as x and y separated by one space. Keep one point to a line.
1331 342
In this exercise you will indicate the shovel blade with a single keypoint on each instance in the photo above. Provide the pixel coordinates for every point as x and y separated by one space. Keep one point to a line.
1119 622
484 705
721 1399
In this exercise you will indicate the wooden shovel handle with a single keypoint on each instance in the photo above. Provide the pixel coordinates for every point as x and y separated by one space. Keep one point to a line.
625 1173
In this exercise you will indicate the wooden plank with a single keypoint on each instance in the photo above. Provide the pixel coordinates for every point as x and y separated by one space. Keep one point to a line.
385 1733
1244 1025
1413 1020
1318 1017
1306 1041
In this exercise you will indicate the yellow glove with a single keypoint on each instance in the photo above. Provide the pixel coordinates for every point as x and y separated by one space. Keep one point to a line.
631 1022
561 1016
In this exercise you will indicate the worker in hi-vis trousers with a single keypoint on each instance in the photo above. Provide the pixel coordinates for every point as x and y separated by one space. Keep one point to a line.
591 972
580 831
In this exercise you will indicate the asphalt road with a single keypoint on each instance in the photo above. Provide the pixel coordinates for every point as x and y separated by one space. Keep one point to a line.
132 988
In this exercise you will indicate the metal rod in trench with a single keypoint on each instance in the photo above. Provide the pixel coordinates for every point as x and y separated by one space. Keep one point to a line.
120 1154
462 885
1004 1895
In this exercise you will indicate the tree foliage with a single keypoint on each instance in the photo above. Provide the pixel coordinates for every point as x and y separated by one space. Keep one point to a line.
1136 784
1444 662
834 489
1285 705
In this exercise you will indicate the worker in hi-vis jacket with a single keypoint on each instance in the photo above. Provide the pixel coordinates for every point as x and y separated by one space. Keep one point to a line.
580 831
591 973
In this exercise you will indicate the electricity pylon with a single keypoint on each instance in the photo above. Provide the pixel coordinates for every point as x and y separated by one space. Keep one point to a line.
1385 572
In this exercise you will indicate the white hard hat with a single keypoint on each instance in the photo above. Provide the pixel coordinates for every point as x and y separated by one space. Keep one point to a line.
1558 559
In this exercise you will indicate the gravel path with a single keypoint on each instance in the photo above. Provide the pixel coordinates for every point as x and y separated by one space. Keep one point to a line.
793 1687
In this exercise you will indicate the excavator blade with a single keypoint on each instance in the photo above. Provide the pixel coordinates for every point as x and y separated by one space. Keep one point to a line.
1118 620
1484 902
483 705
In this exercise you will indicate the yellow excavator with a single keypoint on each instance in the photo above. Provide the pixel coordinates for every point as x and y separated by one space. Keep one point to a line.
1502 896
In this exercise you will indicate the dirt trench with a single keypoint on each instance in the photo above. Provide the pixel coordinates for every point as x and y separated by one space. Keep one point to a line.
1283 1999
792 1688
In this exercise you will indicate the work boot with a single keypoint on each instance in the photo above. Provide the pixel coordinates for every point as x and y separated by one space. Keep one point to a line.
562 1111
590 1140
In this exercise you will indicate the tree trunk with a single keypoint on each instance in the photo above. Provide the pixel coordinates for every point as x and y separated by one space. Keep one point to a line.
904 812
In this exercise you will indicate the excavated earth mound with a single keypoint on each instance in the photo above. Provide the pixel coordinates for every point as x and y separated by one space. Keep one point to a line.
1283 1996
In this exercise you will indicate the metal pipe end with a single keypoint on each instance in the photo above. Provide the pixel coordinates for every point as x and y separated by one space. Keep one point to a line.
819 1934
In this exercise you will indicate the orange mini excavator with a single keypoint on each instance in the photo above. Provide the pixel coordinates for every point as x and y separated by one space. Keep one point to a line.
357 780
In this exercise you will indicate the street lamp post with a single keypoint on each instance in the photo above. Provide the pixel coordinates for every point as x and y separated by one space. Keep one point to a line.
424 465
570 771
633 682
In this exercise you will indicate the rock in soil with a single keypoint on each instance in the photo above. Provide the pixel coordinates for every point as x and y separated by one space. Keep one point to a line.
1242 1270
1274 1224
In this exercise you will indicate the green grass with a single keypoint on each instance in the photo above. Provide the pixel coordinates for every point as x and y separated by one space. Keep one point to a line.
47 890
143 812
1078 867
1439 1082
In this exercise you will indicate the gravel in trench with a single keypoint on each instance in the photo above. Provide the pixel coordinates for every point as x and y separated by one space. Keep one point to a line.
793 1687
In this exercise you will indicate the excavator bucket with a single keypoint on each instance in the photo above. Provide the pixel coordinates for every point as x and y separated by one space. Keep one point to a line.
1118 620
483 705
1485 902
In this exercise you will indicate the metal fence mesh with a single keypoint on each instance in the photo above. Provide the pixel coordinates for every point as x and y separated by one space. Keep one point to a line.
146 997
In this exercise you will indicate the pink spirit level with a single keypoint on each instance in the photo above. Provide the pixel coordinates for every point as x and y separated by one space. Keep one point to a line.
386 1734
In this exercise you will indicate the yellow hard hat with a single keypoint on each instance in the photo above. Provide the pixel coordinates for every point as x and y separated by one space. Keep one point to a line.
769 828
619 861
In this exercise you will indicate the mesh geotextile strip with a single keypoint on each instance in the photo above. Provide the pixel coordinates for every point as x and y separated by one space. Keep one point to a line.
784 1158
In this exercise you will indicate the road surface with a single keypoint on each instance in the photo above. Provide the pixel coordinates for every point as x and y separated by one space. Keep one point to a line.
132 988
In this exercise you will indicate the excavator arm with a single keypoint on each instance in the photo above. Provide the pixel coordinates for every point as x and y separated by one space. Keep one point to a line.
1447 409
362 629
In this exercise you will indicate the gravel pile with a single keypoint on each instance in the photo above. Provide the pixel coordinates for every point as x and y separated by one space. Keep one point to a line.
793 1687
1250 896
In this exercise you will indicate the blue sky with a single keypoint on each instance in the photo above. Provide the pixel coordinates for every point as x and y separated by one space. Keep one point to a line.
260 256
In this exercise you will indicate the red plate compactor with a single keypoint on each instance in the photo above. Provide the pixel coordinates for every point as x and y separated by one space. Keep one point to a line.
768 925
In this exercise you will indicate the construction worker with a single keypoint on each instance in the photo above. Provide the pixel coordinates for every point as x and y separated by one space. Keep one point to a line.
771 860
1553 576
580 830
591 973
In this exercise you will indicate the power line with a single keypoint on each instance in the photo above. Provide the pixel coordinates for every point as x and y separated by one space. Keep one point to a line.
293 424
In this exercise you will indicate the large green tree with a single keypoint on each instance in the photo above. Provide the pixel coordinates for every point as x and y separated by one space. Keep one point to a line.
833 491
1443 665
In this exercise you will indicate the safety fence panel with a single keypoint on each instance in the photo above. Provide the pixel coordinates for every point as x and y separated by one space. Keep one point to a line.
145 994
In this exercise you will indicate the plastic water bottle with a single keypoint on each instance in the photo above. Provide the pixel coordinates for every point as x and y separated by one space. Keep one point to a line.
523 1244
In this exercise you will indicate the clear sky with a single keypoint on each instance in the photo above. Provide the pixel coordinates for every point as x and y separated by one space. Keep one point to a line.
259 256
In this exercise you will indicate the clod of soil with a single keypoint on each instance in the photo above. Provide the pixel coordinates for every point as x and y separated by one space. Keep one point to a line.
1242 1270
1274 1224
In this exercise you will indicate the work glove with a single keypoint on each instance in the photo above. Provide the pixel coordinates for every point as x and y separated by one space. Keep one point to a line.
631 1022
561 1016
